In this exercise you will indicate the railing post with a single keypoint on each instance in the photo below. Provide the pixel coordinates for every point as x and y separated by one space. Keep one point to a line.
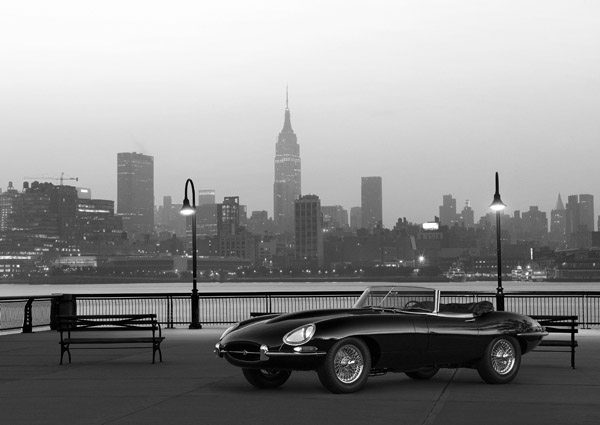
170 324
584 311
28 317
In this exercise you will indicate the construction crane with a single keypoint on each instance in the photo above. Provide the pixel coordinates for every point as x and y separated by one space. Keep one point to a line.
62 178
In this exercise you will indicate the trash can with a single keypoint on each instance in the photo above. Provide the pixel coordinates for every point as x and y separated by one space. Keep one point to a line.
62 305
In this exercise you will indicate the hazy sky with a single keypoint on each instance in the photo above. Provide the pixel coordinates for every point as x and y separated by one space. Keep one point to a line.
433 96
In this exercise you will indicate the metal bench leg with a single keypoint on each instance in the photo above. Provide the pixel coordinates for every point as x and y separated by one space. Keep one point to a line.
156 347
64 349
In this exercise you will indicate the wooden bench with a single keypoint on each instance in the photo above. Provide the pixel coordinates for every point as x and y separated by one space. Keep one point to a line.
72 327
559 325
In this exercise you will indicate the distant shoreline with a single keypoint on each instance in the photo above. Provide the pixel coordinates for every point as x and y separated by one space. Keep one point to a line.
91 280
83 280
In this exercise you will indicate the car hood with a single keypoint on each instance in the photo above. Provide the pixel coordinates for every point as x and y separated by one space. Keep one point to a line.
270 329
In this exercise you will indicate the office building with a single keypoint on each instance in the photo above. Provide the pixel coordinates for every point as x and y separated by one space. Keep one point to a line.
135 192
579 220
206 221
535 224
558 224
467 216
371 202
586 211
355 218
287 186
7 200
206 196
228 216
334 217
448 215
579 212
96 222
259 223
169 219
309 231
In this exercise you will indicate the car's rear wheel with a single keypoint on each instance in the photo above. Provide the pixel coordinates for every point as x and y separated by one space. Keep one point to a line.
346 366
426 373
266 378
501 360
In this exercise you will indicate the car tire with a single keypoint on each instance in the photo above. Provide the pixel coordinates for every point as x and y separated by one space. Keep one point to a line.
501 360
266 378
422 374
346 366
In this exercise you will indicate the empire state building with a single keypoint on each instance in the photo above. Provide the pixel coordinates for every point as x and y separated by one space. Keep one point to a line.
286 188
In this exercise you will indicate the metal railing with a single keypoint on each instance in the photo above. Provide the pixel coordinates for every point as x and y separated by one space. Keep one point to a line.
25 312
217 309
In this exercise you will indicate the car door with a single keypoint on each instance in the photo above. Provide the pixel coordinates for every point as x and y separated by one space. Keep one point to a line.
400 346
452 339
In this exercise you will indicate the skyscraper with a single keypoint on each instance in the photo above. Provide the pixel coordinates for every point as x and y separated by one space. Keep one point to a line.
448 215
355 218
579 212
467 215
228 216
586 211
371 202
571 215
206 196
287 186
7 200
558 224
309 231
135 192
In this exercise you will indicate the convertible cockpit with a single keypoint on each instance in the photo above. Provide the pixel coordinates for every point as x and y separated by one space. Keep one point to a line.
419 300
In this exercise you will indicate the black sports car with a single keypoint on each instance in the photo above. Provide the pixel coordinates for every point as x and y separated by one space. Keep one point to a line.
389 329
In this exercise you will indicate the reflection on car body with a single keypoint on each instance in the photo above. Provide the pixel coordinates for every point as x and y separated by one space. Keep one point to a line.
389 329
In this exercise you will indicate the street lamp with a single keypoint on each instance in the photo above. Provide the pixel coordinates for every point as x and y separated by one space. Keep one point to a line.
498 205
188 209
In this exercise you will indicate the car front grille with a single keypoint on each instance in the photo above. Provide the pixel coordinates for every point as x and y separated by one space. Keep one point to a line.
247 352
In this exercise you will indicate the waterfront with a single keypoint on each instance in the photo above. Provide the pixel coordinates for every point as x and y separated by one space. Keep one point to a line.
21 289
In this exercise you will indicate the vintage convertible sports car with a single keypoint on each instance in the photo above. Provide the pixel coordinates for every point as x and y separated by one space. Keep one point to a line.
389 329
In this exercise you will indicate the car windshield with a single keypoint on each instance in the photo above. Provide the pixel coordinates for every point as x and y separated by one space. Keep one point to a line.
404 298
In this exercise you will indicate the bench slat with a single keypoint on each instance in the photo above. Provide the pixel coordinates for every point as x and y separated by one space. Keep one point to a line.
553 329
558 342
112 340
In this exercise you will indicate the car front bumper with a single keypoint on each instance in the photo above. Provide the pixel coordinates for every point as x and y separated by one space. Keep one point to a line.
265 354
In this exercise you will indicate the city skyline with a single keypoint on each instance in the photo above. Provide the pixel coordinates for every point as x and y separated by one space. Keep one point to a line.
434 98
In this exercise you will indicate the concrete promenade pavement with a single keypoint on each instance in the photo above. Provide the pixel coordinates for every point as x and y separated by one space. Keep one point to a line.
192 386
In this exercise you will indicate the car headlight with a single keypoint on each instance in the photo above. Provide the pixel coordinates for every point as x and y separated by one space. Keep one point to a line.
300 335
228 330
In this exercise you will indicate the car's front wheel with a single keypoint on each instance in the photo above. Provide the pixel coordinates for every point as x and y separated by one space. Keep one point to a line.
426 373
346 366
501 360
266 378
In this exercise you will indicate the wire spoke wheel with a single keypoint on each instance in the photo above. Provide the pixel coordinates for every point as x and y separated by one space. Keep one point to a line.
348 364
501 360
503 357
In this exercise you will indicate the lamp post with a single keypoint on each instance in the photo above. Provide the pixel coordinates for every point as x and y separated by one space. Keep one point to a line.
498 205
188 209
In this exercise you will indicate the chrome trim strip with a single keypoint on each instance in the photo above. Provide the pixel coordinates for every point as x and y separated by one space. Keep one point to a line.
265 354
281 354
533 334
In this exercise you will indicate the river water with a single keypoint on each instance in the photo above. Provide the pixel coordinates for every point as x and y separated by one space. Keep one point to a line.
11 290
